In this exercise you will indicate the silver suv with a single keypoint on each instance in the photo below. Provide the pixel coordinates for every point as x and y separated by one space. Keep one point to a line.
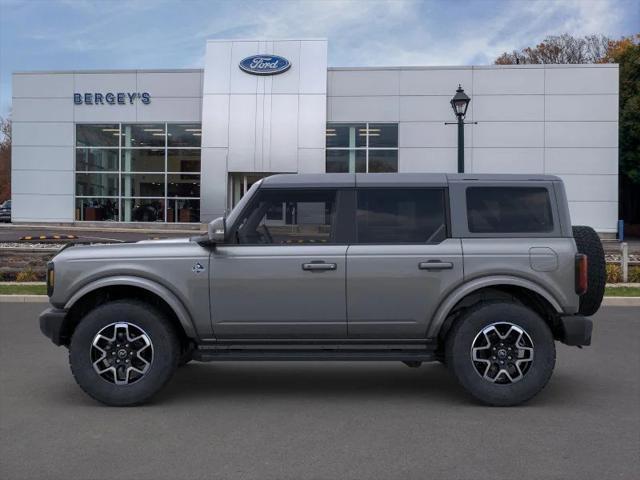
480 272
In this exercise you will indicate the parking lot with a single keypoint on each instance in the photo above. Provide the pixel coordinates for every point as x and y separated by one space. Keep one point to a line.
321 420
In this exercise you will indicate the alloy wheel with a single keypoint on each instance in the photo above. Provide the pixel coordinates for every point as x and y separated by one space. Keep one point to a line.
121 353
502 353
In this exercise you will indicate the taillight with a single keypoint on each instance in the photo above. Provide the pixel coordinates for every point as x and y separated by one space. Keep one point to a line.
50 278
581 274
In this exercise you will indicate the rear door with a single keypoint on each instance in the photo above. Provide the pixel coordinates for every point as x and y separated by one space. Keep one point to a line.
402 262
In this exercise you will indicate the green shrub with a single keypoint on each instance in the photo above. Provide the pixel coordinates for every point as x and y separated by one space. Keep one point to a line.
634 274
27 275
614 273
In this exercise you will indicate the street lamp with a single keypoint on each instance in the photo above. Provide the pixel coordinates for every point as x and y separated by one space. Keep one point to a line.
460 103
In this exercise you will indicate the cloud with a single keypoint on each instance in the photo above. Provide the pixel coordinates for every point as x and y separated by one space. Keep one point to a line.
85 34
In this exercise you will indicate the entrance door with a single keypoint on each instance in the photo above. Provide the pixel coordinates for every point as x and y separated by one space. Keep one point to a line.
401 264
283 274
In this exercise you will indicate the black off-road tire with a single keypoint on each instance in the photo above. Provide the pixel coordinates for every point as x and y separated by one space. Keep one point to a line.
166 352
588 242
458 353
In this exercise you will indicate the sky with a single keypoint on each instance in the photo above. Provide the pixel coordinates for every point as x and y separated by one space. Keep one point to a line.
114 34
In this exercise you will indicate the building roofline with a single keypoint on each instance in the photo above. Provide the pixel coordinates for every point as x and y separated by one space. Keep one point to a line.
103 71
226 40
330 69
480 67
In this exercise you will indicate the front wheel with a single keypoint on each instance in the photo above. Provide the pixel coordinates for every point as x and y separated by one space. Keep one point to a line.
123 352
502 353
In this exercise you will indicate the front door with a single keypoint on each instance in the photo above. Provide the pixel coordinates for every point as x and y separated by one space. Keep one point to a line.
402 262
283 273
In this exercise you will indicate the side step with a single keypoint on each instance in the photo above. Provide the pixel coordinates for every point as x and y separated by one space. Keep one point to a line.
236 354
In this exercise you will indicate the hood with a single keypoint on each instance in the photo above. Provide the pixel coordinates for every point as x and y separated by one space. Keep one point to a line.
167 240
129 250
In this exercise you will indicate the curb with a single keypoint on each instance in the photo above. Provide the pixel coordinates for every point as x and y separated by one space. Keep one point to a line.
621 302
607 301
24 299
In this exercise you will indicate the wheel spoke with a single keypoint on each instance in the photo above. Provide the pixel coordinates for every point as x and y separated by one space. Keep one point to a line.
502 353
114 350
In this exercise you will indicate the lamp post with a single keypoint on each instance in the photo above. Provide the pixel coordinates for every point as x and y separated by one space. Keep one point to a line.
460 103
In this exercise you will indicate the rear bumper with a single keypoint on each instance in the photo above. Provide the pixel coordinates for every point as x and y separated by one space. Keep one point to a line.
575 330
52 323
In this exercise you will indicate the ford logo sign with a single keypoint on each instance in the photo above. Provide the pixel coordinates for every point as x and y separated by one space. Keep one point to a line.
265 64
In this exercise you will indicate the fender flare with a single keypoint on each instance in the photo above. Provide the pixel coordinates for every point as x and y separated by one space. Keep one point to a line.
476 284
153 287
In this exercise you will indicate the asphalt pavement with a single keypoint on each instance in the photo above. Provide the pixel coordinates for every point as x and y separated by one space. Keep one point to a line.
321 420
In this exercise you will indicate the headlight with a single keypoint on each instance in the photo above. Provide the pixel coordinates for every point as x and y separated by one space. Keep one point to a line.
51 276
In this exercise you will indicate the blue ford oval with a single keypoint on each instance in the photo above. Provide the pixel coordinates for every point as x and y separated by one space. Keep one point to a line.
265 64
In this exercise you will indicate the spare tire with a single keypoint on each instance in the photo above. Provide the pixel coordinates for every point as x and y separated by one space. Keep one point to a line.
588 242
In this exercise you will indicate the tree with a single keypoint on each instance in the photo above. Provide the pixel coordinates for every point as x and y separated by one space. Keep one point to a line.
560 49
626 53
5 159
600 49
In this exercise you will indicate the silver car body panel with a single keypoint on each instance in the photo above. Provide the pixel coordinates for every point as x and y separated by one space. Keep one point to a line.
162 267
389 295
262 291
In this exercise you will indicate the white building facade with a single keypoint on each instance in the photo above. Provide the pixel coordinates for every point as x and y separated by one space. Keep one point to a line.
182 146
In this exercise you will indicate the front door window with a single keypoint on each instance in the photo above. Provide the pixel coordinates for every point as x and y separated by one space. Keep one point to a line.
288 217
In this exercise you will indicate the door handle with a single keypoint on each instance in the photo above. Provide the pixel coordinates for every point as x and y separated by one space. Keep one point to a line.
435 265
319 266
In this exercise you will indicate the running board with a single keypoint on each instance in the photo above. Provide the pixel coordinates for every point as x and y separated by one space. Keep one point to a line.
239 354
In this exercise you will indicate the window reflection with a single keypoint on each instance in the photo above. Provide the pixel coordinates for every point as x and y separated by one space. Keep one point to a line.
96 209
143 209
143 185
184 135
103 135
143 135
143 160
136 169
97 159
362 147
97 185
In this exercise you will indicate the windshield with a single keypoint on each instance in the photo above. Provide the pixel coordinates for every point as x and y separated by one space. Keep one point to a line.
6 204
233 215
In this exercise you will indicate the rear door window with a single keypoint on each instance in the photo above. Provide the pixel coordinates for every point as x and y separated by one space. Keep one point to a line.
509 210
393 215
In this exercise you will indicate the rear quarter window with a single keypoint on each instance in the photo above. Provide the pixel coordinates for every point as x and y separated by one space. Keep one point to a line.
509 210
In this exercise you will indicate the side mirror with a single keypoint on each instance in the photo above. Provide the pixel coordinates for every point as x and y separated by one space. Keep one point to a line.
216 230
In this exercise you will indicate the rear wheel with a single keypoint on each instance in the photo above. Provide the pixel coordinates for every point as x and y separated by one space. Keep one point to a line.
123 352
501 353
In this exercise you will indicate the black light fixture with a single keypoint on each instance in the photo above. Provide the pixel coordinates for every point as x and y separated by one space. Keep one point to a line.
460 103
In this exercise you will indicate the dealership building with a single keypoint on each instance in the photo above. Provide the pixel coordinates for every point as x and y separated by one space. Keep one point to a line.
182 146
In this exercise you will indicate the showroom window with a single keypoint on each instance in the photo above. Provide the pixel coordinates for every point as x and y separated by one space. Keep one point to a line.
138 172
362 147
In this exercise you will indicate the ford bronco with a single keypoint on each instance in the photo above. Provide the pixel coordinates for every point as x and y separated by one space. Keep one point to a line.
480 272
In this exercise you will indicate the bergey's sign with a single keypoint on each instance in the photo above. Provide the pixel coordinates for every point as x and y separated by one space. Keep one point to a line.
109 98
265 64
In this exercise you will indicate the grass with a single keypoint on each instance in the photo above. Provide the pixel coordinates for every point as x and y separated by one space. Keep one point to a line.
622 292
23 289
42 290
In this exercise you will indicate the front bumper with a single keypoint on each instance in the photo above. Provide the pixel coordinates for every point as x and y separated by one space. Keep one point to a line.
575 330
52 325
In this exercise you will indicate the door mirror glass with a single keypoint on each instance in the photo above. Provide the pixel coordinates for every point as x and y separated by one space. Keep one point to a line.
216 230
